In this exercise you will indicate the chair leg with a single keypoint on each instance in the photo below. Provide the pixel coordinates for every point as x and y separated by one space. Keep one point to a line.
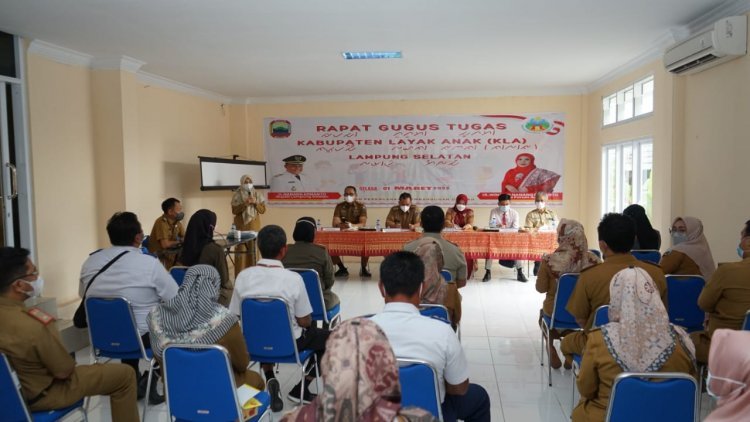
148 389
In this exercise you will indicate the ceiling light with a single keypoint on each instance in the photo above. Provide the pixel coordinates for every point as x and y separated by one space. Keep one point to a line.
368 55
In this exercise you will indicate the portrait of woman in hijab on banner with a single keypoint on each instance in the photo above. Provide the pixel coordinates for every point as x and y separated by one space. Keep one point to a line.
527 177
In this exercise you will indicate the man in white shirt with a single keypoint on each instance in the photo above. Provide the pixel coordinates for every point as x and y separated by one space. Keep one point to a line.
413 336
269 278
504 217
139 278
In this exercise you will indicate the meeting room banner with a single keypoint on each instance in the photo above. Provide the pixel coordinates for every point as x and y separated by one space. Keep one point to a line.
312 159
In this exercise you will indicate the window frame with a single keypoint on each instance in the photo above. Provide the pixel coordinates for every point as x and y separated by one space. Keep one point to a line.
638 197
635 104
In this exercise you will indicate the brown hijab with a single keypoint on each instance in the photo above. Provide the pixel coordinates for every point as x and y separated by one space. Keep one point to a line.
572 255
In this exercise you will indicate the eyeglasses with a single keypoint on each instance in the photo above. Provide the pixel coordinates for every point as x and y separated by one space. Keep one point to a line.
735 386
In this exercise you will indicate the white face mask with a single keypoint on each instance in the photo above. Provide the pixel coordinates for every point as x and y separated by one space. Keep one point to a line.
731 387
460 207
504 208
37 285
349 198
678 237
539 205
404 208
248 186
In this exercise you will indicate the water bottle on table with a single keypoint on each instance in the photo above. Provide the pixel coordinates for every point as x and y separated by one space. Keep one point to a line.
318 227
493 222
377 225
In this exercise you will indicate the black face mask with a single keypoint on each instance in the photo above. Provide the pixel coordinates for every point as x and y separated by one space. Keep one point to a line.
179 216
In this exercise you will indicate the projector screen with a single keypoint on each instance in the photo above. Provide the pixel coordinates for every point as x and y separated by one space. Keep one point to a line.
225 174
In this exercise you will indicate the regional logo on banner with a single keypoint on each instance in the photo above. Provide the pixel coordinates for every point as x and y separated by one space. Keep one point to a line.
435 158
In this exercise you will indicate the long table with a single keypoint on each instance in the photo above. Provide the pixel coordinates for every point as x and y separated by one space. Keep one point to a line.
476 245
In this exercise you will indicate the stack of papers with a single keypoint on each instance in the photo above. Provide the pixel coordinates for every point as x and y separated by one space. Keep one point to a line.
248 402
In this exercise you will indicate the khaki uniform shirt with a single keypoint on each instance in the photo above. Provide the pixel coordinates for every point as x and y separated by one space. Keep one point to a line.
453 259
538 218
592 289
33 347
450 214
676 262
164 229
726 296
598 372
307 255
355 213
212 254
399 219
546 282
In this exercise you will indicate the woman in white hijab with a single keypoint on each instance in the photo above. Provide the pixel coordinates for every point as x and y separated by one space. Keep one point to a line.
638 338
247 206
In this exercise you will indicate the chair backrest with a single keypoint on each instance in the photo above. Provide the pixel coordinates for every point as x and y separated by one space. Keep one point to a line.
419 386
11 401
446 275
596 252
746 324
657 396
178 273
648 255
267 328
314 292
112 328
601 316
682 301
565 286
432 310
199 383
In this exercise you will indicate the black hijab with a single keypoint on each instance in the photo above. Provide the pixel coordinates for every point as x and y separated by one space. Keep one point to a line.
199 233
647 237
304 230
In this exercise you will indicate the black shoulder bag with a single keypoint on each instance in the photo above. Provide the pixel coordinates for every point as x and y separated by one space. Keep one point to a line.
79 318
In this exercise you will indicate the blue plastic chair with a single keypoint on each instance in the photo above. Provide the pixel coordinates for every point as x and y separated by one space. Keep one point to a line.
653 397
432 310
178 273
560 319
647 255
14 406
601 316
200 385
446 275
114 334
682 301
315 294
267 328
746 323
419 386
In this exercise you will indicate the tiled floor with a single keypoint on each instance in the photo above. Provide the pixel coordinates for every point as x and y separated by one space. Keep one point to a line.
500 336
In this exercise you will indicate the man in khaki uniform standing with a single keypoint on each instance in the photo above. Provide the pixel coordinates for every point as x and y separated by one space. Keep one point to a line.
726 297
29 338
167 232
616 237
348 215
405 215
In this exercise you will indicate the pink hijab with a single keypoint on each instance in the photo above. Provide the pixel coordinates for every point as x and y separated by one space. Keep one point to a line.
729 358
696 246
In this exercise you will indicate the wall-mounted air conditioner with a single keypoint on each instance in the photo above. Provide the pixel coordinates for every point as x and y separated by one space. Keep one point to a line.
726 41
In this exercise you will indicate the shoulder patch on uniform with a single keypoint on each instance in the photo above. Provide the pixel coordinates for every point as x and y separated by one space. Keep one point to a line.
40 316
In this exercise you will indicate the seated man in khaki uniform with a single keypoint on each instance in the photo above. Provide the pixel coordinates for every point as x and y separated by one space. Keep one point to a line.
29 338
348 215
726 297
616 237
167 232
540 216
405 215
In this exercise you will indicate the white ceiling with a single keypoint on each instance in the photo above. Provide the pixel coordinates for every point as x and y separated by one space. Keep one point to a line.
291 48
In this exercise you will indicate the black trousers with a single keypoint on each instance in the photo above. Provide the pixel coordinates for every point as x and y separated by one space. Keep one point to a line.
133 363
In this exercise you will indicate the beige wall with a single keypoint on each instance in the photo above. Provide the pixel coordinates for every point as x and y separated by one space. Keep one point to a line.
573 106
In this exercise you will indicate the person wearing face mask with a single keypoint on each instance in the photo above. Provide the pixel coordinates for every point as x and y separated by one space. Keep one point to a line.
726 297
199 248
48 375
350 214
139 278
167 232
504 217
461 217
690 253
729 376
247 206
405 215
541 216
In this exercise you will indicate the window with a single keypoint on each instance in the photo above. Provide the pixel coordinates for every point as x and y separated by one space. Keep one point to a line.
627 173
632 101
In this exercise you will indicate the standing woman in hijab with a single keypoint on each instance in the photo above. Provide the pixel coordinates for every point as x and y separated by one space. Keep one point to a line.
571 256
638 338
247 206
199 248
195 317
360 380
646 237
690 253
729 375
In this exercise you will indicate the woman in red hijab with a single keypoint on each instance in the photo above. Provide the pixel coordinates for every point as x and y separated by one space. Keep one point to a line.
527 177
460 217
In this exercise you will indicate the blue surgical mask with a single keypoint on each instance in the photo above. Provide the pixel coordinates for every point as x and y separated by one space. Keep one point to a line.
678 237
504 208
740 251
